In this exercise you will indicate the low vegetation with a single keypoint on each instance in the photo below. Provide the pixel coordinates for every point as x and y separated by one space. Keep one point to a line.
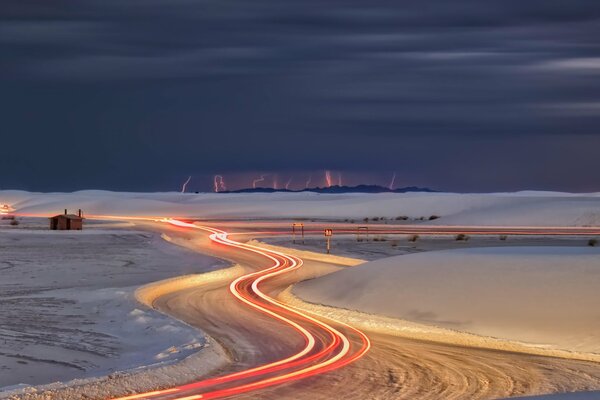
462 237
413 238
593 242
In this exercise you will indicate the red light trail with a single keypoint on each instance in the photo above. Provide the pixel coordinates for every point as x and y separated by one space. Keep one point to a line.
325 347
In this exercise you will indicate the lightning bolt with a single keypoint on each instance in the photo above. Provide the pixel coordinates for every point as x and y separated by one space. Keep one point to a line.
287 184
328 178
185 184
261 179
391 187
275 183
339 179
308 181
219 184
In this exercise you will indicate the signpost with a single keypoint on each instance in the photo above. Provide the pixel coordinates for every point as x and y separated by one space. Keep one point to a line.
328 234
294 226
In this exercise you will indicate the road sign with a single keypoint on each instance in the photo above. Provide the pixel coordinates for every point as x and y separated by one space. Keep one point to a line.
297 225
328 234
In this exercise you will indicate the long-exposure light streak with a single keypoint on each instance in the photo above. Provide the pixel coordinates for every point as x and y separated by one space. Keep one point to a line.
335 352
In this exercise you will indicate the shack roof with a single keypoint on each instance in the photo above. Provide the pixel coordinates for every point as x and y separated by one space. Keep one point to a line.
68 216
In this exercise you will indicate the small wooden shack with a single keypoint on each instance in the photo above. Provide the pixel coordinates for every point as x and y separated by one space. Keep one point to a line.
67 222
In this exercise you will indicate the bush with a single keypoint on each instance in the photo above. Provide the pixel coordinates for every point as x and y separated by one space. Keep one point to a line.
503 237
462 236
593 242
413 238
14 222
401 218
366 219
431 218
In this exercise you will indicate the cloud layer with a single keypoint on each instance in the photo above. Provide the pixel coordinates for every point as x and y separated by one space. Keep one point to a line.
460 95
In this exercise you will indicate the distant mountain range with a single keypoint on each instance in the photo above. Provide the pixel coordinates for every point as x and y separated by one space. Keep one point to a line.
336 189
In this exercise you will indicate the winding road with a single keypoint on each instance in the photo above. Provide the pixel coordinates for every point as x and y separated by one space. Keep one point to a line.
279 352
325 347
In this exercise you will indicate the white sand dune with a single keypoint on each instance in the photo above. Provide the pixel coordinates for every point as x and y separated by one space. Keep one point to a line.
543 296
68 305
522 208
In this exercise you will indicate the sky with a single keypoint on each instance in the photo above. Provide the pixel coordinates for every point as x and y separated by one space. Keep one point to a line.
455 95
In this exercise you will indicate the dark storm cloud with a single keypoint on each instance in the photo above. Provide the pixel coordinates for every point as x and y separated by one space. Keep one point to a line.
459 95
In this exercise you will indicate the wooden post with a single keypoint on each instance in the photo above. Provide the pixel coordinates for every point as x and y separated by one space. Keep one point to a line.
301 226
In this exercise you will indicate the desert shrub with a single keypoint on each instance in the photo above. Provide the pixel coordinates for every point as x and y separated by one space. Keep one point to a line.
593 242
366 219
14 222
394 243
401 218
462 236
413 238
375 218
503 237
432 217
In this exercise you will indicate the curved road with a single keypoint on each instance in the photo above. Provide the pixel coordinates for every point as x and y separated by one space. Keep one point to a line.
275 359
323 346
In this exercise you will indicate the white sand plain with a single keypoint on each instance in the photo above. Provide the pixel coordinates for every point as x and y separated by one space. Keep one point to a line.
68 304
515 209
